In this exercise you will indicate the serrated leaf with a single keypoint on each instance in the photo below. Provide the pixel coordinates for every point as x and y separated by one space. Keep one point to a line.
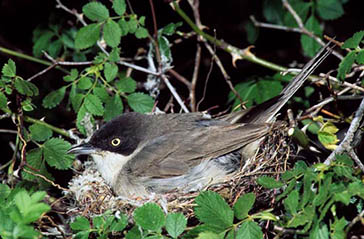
126 85
353 42
119 224
150 217
55 48
141 33
72 76
40 132
119 6
164 49
302 9
113 107
75 98
208 235
175 224
328 140
337 228
95 11
309 45
54 98
124 27
35 160
140 102
112 33
291 202
85 83
9 69
80 224
25 87
329 9
87 36
243 205
360 57
269 182
252 32
114 55
213 211
55 153
249 230
134 233
94 105
132 25
42 43
3 101
110 71
102 93
4 191
346 64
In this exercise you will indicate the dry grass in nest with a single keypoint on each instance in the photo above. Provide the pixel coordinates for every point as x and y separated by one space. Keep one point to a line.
92 196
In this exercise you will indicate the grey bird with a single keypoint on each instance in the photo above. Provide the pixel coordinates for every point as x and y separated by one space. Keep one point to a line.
140 154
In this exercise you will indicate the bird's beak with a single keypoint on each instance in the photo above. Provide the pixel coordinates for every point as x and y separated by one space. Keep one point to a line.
85 148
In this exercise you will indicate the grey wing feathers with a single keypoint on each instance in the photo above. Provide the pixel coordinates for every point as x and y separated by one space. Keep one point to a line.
175 154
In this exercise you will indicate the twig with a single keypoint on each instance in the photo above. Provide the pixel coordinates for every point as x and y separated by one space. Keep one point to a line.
42 72
66 63
273 26
174 93
180 78
333 79
41 122
194 79
46 179
345 145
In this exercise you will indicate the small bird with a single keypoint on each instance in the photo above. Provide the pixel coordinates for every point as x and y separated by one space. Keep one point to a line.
140 154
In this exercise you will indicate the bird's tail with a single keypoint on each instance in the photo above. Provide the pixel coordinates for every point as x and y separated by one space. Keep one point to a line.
266 111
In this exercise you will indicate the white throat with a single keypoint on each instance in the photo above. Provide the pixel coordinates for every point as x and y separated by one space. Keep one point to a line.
109 165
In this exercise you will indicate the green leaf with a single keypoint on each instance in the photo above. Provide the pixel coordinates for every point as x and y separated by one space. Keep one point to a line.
114 55
175 224
124 27
320 232
171 28
252 32
119 6
291 202
249 230
141 33
360 57
213 211
3 101
87 36
113 107
208 235
243 205
346 64
132 25
337 228
164 48
85 83
256 91
134 233
120 224
150 217
353 42
55 153
302 9
94 105
269 182
54 98
328 140
72 76
102 93
40 132
309 45
9 69
35 160
80 224
273 11
140 102
110 71
95 11
126 85
42 43
25 87
112 33
329 9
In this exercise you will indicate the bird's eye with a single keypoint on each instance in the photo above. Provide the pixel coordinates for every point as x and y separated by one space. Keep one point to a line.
115 142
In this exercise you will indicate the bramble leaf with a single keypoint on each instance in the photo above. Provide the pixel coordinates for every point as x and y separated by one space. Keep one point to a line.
175 224
149 216
110 71
94 105
87 36
119 6
112 33
354 41
95 11
40 132
140 102
9 69
54 98
329 9
243 205
55 153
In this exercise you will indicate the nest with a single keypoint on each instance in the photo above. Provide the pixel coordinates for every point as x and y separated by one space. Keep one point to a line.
92 196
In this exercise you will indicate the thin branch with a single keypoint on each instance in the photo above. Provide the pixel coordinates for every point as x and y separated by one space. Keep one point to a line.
345 145
194 79
174 93
180 78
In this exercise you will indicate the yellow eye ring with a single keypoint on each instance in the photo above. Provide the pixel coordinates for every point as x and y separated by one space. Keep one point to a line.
115 142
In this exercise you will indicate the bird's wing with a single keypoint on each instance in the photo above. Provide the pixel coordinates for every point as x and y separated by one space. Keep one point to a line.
176 153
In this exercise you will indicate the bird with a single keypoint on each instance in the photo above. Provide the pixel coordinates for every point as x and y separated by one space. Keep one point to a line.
143 154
